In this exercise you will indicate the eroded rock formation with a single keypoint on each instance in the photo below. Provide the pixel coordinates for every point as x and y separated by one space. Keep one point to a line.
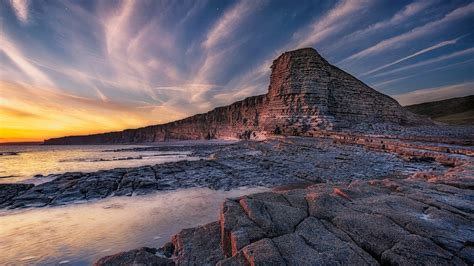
306 94
423 218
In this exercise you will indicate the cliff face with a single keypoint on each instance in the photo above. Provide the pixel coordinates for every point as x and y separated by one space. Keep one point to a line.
306 94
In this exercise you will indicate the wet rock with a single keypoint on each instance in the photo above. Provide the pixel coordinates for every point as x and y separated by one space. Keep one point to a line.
420 218
236 228
334 249
8 153
167 249
275 218
142 256
8 191
263 252
426 251
68 196
198 246
294 249
374 233
358 223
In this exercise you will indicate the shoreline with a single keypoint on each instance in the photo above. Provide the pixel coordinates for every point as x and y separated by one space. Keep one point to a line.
403 220
347 168
273 162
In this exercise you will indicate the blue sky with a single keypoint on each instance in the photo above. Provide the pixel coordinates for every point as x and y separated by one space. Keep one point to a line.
91 66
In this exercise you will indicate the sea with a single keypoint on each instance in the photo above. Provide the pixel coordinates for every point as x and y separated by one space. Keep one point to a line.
81 233
23 162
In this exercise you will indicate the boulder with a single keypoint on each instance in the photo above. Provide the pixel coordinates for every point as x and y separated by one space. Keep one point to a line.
142 256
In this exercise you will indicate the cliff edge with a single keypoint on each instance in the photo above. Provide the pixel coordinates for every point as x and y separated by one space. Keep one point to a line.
306 95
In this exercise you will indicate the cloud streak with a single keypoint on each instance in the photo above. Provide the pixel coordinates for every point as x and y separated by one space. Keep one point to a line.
329 24
47 116
429 61
21 8
400 40
226 26
344 13
435 94
423 72
398 18
28 68
431 48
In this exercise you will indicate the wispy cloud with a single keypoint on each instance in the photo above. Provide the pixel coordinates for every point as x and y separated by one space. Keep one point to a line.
413 34
21 8
334 21
14 112
424 72
407 12
28 68
435 94
226 26
431 48
430 61
398 18
215 54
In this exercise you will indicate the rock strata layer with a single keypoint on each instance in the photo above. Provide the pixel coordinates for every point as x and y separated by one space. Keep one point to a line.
306 94
425 218
421 220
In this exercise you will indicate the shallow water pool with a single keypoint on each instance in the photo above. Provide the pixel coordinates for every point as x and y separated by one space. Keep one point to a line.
79 234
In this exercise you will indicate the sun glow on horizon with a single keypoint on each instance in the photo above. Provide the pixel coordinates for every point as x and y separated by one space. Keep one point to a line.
31 113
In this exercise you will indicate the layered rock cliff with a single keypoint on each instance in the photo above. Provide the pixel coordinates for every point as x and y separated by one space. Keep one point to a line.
306 95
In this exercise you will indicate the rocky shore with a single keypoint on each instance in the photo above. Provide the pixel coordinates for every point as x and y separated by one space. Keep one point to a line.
425 217
347 198
277 161
364 199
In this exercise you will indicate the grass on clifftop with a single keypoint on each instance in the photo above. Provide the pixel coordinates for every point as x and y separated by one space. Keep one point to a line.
456 111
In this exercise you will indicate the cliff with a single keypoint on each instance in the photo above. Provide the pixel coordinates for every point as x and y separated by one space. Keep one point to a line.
306 94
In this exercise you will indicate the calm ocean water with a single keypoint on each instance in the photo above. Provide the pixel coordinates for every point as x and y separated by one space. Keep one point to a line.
79 234
21 163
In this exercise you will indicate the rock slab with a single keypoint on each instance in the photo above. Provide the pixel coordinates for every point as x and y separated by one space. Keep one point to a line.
410 221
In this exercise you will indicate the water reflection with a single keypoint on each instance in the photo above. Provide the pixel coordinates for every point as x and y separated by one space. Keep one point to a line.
27 161
80 234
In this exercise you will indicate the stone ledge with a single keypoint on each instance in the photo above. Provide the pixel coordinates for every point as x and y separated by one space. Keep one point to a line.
391 221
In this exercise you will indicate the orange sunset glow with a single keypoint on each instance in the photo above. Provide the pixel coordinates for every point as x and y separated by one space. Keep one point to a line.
34 114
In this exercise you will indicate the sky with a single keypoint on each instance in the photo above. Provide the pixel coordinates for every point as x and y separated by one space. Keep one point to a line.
80 67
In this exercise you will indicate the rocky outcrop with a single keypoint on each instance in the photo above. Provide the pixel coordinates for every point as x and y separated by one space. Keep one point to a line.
306 94
424 218
421 220
141 256
10 191
330 157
